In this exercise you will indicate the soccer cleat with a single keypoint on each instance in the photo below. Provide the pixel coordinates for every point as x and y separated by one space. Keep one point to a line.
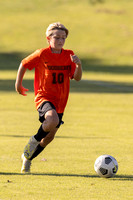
30 147
26 165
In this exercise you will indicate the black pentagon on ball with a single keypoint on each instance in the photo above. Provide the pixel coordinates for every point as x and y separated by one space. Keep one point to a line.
103 171
108 160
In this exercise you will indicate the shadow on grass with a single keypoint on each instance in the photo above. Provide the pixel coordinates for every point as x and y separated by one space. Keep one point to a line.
11 61
60 137
96 65
84 86
17 136
9 85
117 177
52 174
122 178
98 86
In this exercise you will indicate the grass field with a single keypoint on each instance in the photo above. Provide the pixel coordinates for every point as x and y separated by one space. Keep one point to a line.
99 114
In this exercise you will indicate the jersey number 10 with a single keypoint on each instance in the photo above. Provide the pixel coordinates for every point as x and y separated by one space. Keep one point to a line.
58 78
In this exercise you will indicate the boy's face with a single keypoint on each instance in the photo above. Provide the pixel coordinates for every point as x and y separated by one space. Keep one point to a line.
57 39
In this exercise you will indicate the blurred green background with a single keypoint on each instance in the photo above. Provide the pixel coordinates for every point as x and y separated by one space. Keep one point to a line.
101 34
98 118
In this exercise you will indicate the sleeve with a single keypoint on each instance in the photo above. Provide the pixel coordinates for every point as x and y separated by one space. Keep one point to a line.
73 66
32 60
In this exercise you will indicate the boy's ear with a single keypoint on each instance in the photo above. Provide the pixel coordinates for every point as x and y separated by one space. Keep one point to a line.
48 38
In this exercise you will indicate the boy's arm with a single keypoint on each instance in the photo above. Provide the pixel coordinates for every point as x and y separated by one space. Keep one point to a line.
18 85
78 71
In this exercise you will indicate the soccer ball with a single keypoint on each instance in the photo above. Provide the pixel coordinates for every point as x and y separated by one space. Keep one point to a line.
106 166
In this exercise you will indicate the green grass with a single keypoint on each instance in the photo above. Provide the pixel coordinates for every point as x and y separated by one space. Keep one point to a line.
98 117
101 124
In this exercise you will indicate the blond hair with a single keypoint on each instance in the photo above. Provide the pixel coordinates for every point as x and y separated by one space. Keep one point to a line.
56 26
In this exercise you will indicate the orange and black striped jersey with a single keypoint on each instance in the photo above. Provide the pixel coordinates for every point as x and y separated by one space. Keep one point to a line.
52 76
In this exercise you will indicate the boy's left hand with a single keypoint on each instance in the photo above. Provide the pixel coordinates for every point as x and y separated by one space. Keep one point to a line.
75 59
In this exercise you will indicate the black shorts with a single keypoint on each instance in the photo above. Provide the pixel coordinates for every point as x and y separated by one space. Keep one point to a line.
46 106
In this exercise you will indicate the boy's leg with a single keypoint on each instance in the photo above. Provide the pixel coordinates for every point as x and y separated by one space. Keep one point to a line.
47 129
43 143
48 132
36 144
36 149
48 138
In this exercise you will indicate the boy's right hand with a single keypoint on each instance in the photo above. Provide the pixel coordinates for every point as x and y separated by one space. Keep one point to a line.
18 85
21 90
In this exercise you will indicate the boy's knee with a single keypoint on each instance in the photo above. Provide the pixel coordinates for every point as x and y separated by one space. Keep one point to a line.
51 120
54 121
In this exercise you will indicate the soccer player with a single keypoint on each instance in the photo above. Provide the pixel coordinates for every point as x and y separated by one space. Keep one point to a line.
54 67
